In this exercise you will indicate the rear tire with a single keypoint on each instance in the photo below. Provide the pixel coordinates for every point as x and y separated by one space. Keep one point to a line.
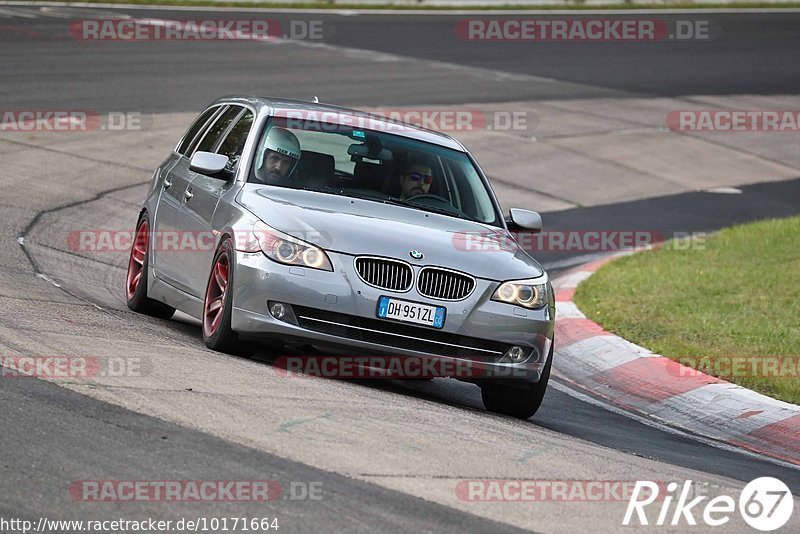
521 402
136 278
218 303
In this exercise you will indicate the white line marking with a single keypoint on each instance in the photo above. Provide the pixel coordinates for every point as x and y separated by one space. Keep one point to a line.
571 262
68 12
8 13
48 279
724 190
711 409
56 284
58 12
572 279
568 310
583 360
385 57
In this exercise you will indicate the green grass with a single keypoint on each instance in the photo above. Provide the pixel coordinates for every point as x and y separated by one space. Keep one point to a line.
577 5
735 294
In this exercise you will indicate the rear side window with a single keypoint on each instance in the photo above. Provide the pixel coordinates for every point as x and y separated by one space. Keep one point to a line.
216 131
194 129
233 145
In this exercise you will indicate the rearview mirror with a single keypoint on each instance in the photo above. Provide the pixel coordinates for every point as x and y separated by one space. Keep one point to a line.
208 163
520 219
364 151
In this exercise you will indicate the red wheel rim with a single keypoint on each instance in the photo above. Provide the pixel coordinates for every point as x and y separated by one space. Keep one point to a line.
216 294
136 261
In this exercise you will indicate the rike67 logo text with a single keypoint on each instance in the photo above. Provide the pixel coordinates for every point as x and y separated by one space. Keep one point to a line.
765 504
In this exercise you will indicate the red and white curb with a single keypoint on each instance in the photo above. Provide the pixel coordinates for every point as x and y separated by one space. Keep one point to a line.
634 379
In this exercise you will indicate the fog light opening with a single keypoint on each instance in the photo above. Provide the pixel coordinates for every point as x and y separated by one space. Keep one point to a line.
277 310
282 312
516 354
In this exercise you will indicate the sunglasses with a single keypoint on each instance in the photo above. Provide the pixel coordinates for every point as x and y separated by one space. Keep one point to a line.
416 176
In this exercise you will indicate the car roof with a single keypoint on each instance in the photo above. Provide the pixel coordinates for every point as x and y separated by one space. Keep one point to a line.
343 116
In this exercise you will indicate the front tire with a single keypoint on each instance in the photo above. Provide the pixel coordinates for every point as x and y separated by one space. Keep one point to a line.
218 302
136 279
522 402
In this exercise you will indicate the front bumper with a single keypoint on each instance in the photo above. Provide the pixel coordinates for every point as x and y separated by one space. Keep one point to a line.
337 310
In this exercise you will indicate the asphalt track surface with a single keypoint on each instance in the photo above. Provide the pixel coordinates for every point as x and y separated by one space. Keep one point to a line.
748 54
53 435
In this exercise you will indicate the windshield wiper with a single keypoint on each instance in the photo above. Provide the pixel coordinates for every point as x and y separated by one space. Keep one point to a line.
342 192
401 202
432 209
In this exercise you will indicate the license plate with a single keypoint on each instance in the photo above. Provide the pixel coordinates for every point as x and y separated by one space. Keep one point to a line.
411 312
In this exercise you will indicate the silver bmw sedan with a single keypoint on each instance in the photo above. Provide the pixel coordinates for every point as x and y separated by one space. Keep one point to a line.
305 224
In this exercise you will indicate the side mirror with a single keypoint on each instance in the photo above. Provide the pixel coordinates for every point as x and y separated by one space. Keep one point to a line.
208 163
519 220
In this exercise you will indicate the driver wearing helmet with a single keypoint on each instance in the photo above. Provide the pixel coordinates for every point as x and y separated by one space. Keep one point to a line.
281 154
415 179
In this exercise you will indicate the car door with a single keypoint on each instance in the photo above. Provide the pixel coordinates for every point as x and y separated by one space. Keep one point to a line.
206 191
165 260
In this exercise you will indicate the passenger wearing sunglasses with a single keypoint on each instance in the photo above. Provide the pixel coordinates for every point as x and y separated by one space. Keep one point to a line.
415 180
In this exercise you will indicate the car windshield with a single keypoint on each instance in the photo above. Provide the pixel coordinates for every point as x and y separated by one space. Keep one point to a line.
373 165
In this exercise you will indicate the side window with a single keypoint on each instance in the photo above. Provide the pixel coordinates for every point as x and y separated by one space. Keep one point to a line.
217 129
233 145
194 129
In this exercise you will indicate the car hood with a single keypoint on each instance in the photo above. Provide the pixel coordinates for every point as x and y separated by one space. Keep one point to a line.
355 226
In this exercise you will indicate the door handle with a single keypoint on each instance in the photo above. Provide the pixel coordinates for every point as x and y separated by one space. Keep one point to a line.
188 194
167 183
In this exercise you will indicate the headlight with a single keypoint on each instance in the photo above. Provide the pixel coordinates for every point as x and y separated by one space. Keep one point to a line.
288 250
525 293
